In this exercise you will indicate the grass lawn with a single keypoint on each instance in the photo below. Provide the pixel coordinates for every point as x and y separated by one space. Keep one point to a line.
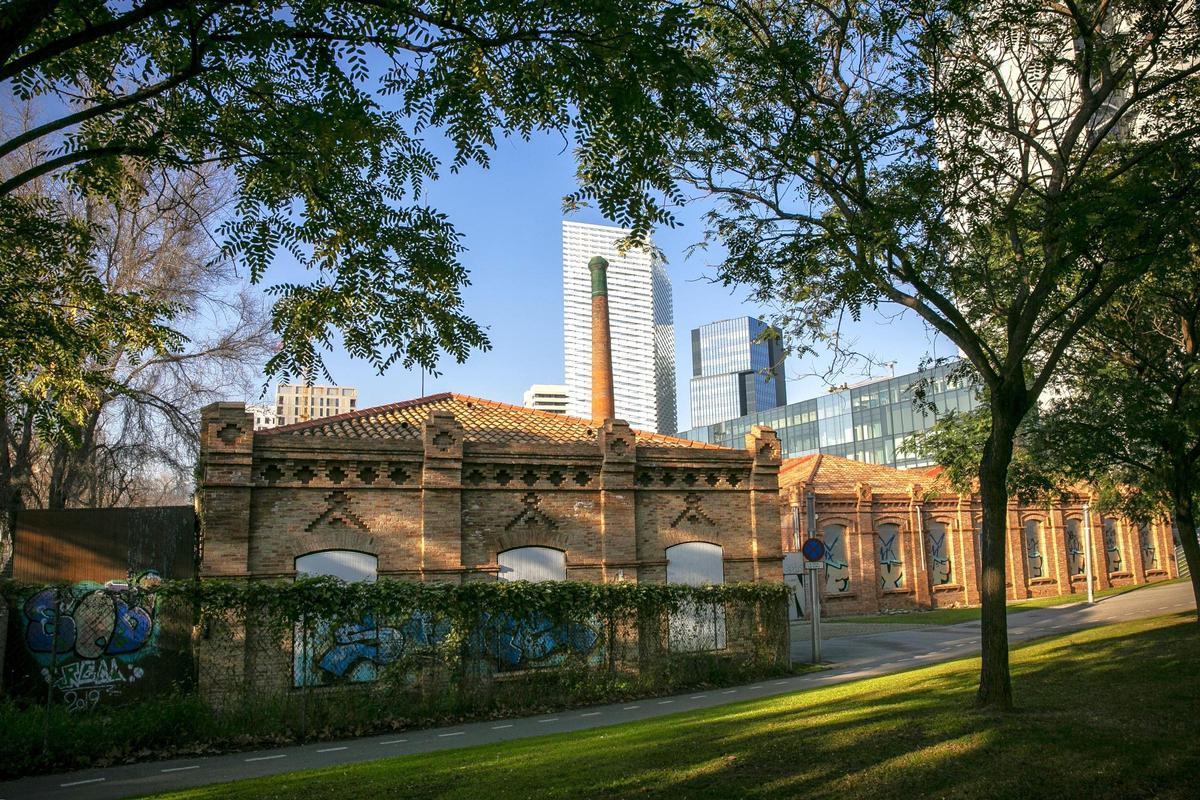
952 616
1108 712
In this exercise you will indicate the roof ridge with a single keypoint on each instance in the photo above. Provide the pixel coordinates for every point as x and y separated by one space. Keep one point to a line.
358 413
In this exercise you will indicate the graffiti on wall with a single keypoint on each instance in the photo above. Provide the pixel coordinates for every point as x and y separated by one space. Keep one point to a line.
353 652
837 567
1112 548
1075 557
88 638
528 642
1033 549
939 553
1149 551
891 567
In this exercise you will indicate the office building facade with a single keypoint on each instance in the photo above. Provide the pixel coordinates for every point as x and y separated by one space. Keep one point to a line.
642 325
868 422
737 369
551 397
299 403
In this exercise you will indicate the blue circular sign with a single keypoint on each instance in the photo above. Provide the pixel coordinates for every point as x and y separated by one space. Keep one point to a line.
813 549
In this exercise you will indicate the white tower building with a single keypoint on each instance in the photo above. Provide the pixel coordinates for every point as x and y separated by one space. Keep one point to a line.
642 322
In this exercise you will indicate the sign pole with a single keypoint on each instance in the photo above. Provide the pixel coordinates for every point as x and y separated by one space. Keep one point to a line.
814 563
1087 550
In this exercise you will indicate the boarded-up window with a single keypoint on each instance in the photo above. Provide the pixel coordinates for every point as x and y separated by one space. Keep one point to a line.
698 626
937 551
837 567
891 565
1035 561
1076 560
327 651
533 564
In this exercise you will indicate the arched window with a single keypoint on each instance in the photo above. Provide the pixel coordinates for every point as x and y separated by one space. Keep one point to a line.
891 565
1076 563
1112 546
533 564
1035 562
325 652
937 551
698 626
837 566
350 566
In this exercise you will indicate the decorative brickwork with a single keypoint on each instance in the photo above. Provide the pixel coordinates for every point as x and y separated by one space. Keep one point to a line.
435 489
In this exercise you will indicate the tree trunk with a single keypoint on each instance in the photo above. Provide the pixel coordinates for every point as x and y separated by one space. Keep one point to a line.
995 686
1185 520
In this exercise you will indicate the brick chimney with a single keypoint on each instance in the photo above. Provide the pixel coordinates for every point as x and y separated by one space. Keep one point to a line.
603 404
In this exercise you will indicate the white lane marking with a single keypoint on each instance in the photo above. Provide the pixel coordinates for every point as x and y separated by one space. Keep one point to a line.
452 733
180 769
395 741
756 687
697 696
665 702
81 783
501 727
729 691
591 714
266 758
331 749
630 708
552 719
779 683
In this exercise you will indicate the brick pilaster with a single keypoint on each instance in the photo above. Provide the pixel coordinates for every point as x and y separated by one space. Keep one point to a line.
866 552
968 575
763 444
1056 543
1133 536
619 542
1017 567
441 495
1099 562
920 561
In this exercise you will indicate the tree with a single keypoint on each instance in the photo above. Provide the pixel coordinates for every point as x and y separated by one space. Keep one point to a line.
1128 418
157 239
1001 169
318 110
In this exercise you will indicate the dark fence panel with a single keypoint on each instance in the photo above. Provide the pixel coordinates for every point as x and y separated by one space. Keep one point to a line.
104 544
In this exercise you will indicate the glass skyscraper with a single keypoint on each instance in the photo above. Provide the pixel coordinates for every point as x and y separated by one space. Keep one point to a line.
643 329
736 370
868 422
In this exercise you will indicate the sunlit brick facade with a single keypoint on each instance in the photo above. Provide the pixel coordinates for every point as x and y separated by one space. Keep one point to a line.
904 539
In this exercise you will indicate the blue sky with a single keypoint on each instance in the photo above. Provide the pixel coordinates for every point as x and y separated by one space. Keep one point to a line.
510 216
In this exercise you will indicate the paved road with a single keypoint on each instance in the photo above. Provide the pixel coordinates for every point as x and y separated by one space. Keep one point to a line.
849 658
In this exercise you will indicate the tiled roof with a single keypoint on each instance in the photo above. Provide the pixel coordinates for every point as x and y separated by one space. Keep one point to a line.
831 472
482 420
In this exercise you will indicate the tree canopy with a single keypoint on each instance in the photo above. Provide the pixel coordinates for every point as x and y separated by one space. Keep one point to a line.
1001 169
320 112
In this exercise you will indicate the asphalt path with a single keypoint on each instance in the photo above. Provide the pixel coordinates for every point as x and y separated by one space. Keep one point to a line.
848 658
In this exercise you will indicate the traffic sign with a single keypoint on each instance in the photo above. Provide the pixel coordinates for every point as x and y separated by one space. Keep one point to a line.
813 550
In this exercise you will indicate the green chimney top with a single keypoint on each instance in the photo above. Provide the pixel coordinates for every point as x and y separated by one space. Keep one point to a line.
598 265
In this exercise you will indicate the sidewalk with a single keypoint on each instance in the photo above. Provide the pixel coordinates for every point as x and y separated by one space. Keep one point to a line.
850 658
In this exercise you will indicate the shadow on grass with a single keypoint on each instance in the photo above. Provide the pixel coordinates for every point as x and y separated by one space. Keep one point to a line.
1110 712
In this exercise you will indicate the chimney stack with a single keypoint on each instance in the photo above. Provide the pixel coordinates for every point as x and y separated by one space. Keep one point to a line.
603 404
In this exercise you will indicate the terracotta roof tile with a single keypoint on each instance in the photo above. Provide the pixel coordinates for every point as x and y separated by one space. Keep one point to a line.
482 420
834 473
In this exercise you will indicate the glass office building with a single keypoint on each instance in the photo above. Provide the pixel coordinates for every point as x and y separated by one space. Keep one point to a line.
735 370
868 422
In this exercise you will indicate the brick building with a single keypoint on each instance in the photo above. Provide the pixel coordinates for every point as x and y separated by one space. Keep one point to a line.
904 539
456 488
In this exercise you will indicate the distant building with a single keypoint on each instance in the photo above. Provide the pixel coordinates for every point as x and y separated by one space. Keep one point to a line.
736 370
301 403
264 415
867 422
643 330
550 397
